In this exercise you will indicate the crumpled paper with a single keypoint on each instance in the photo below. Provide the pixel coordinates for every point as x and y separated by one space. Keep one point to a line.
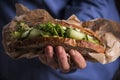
107 30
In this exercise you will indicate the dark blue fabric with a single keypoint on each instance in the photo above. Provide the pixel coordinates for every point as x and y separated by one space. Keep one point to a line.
90 9
33 69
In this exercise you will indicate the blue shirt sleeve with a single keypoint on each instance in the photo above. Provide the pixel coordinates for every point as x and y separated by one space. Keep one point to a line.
91 9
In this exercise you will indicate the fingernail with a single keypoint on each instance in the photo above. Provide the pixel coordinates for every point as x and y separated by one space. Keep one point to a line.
72 52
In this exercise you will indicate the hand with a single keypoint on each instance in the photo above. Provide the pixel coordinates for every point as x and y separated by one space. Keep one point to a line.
63 64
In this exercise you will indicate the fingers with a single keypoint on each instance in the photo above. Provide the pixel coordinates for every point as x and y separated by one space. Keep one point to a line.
78 59
62 59
49 53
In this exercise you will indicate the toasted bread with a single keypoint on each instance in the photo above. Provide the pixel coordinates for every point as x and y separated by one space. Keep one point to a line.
17 48
29 48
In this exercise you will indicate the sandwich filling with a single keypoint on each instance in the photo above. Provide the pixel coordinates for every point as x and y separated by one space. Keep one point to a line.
23 31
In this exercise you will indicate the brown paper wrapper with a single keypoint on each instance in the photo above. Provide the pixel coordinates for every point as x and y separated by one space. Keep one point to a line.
107 30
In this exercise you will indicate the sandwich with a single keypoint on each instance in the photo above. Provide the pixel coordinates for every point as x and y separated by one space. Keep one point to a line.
27 36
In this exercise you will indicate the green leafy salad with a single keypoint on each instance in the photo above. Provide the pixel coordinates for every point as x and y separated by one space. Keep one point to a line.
23 31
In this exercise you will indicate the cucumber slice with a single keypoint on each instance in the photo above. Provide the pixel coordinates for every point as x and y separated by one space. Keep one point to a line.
16 34
34 33
45 34
25 34
91 39
77 35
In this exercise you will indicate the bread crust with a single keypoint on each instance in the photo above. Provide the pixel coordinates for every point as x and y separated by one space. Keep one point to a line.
37 45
